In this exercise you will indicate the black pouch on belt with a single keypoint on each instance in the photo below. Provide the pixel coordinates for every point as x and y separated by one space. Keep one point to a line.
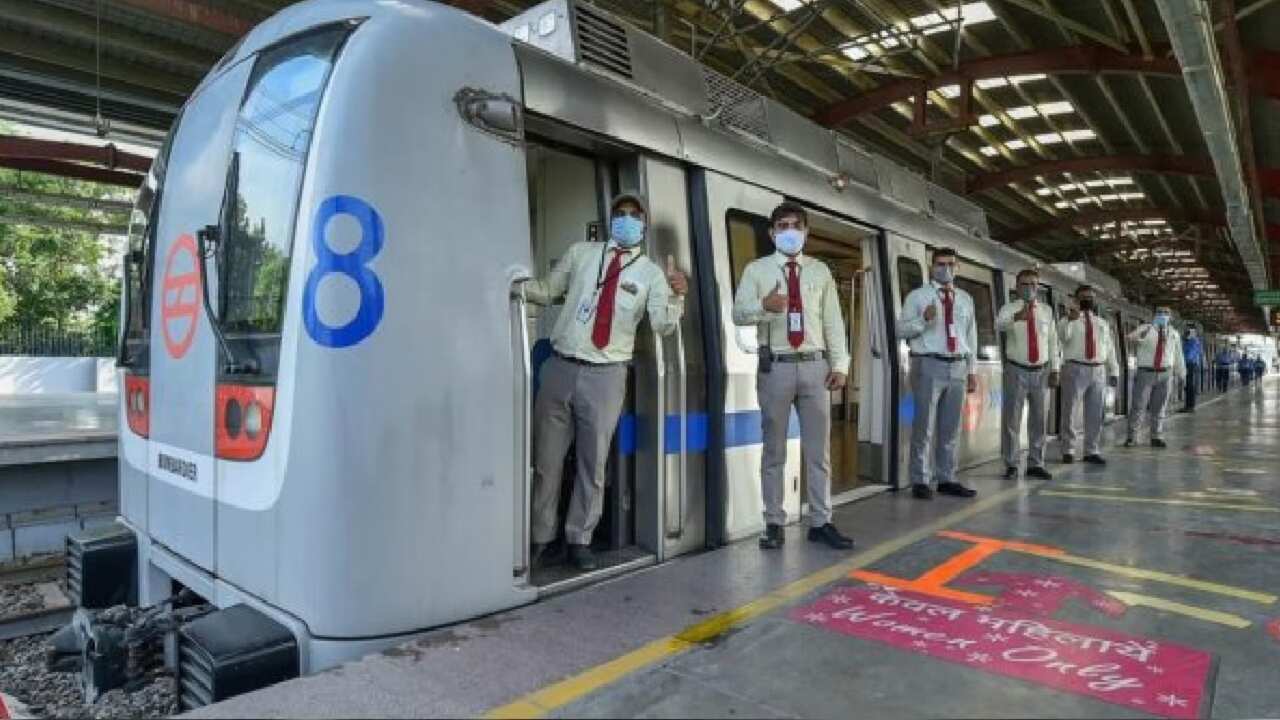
766 359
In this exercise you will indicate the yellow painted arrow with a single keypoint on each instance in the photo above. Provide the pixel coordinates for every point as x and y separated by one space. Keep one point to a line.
1199 613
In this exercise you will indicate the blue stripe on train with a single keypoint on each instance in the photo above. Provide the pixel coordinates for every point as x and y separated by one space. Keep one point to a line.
740 429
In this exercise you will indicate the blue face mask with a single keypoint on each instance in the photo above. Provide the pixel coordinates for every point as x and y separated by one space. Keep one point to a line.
626 230
789 242
944 274
1161 320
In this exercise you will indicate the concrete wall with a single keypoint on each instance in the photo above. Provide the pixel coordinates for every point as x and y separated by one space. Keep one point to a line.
41 504
20 374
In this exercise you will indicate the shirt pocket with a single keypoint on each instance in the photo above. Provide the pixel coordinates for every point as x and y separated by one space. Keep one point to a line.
630 298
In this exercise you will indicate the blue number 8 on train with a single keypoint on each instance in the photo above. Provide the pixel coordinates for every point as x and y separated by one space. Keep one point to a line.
353 264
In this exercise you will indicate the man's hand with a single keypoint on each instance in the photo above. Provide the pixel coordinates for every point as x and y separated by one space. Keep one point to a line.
676 279
1021 315
1054 378
836 380
972 384
775 301
1073 314
1113 381
930 313
1145 333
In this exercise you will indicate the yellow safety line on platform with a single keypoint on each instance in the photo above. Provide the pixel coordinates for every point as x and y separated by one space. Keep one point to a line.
1162 501
541 702
1214 616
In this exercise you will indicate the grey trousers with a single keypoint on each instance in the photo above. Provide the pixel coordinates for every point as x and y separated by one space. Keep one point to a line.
576 404
803 385
937 391
1029 388
1150 396
1087 382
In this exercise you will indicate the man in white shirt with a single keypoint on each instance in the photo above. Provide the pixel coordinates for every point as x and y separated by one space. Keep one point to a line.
937 321
1091 365
1159 353
1031 365
607 288
793 302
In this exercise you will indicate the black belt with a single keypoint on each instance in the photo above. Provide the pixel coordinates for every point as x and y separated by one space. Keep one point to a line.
1086 364
1153 370
1028 368
801 356
588 363
939 357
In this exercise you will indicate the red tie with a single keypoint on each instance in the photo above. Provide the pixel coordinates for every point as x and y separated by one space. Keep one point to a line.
948 317
1033 342
604 311
1160 351
795 304
1090 345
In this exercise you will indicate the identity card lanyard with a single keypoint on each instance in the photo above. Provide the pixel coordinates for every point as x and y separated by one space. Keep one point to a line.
588 304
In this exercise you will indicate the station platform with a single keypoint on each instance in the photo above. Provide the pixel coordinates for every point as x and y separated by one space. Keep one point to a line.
1146 588
58 472
53 427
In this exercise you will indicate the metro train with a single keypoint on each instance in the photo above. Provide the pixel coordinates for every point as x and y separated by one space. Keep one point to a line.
328 366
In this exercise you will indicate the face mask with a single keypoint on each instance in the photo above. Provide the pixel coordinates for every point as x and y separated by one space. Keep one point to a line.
789 242
1191 333
626 230
944 274
1027 293
1087 304
1161 320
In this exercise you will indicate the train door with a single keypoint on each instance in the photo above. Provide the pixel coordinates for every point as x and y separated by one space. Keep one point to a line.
653 503
981 423
182 483
909 261
736 218
1056 300
844 248
1116 396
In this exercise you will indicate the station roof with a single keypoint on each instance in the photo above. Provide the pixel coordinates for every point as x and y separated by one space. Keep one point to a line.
1069 122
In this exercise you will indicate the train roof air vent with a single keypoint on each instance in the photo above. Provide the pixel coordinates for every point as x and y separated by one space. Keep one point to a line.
602 41
736 106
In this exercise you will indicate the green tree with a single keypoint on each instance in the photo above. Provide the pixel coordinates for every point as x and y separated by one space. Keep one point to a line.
51 276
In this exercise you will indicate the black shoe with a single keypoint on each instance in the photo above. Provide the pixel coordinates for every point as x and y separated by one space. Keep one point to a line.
580 556
1158 443
1094 460
1039 472
1128 442
1011 473
772 539
831 536
1068 458
1184 410
956 489
921 492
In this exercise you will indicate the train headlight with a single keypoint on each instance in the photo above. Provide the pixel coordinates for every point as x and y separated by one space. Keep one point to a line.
253 420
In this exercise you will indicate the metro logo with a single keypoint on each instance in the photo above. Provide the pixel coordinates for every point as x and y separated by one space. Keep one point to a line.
180 309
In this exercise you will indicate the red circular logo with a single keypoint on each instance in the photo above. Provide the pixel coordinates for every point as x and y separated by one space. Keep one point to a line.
974 406
180 298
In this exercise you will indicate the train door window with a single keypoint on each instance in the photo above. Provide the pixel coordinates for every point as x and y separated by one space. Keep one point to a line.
910 277
269 153
984 316
748 240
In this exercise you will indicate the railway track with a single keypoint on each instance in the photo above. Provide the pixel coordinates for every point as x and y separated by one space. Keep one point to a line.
25 585
37 622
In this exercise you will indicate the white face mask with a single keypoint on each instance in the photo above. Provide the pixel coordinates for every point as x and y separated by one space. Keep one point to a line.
789 241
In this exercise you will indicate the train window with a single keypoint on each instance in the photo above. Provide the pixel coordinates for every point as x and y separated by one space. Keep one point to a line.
748 240
272 138
141 259
910 276
984 316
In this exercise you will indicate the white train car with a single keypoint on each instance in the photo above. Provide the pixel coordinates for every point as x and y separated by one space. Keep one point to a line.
328 380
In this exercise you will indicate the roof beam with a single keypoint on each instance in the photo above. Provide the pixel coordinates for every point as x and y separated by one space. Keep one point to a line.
60 224
82 202
1088 59
1101 217
201 15
74 170
1171 164
105 155
1079 59
23 45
